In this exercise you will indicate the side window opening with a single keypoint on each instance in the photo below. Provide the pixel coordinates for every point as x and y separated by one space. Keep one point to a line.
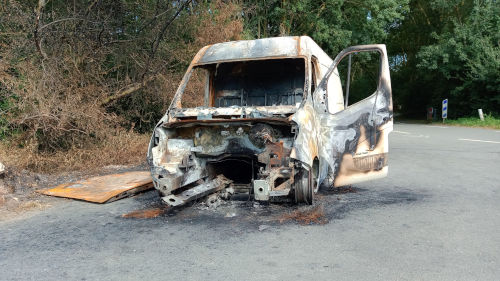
359 75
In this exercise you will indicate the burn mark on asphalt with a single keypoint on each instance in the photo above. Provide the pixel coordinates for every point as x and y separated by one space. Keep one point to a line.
243 216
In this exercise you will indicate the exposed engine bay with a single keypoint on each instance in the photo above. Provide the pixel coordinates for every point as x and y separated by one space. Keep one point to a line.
253 157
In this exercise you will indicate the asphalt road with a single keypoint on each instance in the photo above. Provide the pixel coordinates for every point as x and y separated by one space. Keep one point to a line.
435 217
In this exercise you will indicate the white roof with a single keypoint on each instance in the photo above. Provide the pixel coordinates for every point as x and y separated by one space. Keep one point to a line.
275 47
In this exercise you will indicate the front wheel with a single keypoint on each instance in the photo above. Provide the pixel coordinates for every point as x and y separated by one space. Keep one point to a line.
303 187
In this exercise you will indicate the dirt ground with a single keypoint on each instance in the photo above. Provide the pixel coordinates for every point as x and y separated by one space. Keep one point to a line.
18 196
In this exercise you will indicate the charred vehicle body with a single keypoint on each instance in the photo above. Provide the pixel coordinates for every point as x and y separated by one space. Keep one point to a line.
267 118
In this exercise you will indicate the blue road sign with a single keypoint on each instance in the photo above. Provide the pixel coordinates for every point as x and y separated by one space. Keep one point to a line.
444 112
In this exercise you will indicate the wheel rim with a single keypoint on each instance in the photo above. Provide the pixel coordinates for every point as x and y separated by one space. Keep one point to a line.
304 188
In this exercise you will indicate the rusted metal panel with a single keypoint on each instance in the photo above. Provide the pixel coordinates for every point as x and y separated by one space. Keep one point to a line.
198 191
182 123
252 49
103 189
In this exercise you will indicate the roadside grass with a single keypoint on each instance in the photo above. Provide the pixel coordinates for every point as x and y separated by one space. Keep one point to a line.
125 148
489 122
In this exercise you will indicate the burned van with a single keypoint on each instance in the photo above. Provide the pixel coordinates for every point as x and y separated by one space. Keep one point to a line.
268 118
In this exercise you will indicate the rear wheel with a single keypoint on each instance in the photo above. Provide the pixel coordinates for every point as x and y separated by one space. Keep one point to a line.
303 187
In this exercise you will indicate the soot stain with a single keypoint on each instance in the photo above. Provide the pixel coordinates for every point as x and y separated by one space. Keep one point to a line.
248 216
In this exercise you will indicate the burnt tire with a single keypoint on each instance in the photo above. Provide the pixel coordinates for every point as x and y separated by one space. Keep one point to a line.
303 187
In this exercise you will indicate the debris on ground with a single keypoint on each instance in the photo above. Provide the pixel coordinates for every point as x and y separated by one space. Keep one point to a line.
227 193
230 215
213 201
3 188
29 205
15 194
145 214
306 215
104 189
345 189
263 227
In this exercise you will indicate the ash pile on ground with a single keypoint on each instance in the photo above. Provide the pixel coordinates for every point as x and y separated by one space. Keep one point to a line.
17 192
330 204
242 209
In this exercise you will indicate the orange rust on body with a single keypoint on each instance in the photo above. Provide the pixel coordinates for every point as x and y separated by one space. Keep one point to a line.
352 166
298 44
276 149
254 59
239 120
199 55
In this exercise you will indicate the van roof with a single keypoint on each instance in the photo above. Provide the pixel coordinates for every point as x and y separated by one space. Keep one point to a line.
275 47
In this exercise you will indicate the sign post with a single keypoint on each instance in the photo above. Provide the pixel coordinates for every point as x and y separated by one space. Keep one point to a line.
481 116
444 111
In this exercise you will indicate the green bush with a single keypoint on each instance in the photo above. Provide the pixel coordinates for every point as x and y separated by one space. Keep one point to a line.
490 121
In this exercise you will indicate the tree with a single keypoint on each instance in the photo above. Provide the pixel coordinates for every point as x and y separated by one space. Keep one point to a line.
333 24
447 49
73 73
467 57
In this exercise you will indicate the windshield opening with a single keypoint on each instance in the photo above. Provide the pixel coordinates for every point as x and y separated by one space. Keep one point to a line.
247 83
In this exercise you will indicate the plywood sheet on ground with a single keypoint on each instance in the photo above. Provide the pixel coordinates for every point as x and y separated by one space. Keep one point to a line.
103 189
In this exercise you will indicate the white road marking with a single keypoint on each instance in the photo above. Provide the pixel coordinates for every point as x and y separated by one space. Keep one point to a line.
480 141
434 126
410 135
419 136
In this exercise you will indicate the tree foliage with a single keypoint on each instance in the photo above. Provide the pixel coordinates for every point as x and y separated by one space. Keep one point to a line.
467 57
81 70
447 49
333 24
